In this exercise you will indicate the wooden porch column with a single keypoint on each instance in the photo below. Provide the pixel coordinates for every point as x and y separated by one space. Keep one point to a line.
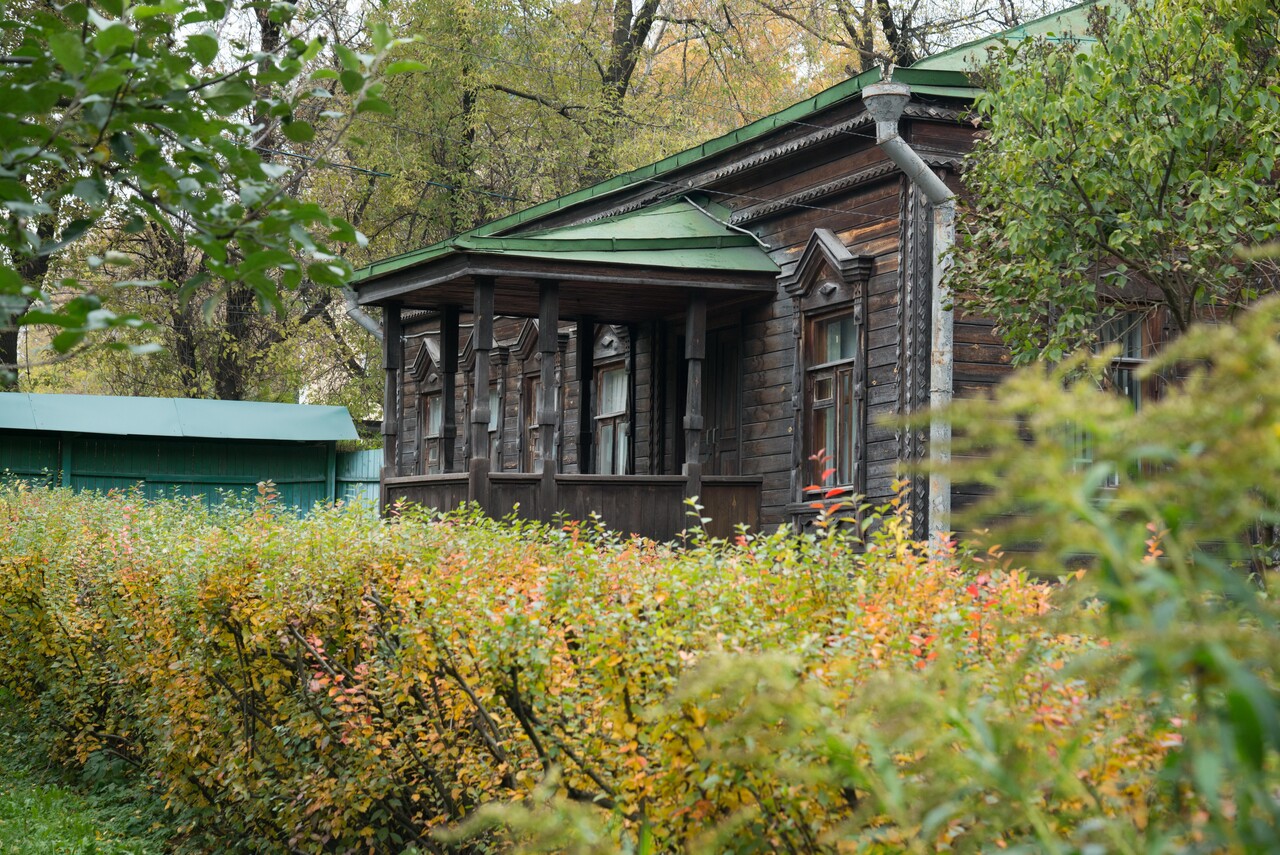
391 364
695 351
482 336
548 345
448 386
586 380
498 455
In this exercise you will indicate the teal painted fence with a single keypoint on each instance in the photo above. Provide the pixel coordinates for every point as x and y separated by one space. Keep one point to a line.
304 472
358 475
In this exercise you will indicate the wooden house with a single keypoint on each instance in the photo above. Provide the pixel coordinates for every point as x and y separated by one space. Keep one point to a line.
702 326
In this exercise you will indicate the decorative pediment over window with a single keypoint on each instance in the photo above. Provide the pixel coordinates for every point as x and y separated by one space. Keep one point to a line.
611 342
467 359
425 366
828 273
526 346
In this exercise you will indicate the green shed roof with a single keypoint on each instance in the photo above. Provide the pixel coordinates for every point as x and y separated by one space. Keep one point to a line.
173 417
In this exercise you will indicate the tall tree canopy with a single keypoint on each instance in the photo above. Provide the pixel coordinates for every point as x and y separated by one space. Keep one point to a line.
155 121
1143 161
232 117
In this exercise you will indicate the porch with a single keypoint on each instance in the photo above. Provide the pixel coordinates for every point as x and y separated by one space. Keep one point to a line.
652 506
669 266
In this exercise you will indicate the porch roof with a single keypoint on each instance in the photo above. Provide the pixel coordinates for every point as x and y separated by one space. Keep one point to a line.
665 249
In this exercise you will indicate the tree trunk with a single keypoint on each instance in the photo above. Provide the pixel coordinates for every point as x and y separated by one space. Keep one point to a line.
32 271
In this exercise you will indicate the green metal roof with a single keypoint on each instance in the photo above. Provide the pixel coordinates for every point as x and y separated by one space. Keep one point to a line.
938 82
944 75
1071 24
173 417
690 232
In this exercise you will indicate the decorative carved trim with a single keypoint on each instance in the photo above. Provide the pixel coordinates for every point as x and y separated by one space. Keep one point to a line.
526 345
426 360
825 252
917 110
787 148
916 303
612 342
830 188
702 180
467 359
635 204
800 423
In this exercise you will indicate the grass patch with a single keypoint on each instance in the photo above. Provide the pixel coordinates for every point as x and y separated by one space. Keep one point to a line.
43 811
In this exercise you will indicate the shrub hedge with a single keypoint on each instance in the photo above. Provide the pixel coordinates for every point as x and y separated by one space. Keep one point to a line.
338 683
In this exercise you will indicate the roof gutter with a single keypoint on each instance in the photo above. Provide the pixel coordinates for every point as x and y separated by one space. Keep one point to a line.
885 102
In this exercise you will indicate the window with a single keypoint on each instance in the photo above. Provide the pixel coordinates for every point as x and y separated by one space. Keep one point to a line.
828 286
495 422
612 427
1126 330
432 420
530 429
834 390
495 409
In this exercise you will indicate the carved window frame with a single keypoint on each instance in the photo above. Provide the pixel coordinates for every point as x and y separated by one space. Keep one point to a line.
838 412
425 371
828 284
611 356
528 392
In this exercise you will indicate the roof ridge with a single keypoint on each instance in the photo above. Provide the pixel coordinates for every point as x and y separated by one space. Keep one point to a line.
816 103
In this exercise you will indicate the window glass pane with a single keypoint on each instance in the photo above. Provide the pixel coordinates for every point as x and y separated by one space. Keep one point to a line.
613 392
832 403
604 464
435 415
532 399
1126 383
824 433
1125 329
846 428
494 407
836 339
620 459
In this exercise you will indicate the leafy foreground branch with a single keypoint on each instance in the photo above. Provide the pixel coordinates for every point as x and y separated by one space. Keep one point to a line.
456 684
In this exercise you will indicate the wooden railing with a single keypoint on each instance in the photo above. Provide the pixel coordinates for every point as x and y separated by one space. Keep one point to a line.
649 505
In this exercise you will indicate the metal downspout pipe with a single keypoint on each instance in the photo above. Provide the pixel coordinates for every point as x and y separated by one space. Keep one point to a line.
357 314
885 102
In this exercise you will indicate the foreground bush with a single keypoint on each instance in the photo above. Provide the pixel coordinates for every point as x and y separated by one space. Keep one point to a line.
340 684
